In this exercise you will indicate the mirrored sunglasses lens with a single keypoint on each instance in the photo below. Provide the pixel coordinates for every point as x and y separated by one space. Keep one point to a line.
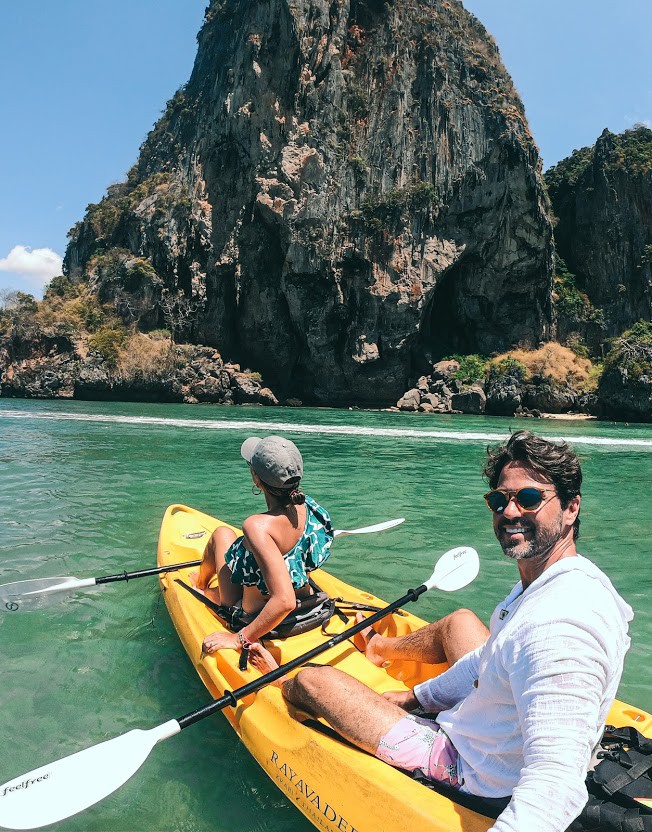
529 497
496 500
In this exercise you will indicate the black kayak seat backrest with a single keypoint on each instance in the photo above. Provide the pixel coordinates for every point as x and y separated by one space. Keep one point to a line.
311 612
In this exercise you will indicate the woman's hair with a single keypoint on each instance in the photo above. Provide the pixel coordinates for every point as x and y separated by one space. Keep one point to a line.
291 494
557 463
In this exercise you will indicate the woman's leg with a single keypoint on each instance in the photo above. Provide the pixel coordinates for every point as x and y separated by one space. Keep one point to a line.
213 563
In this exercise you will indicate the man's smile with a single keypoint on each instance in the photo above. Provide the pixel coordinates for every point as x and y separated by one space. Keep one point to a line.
510 530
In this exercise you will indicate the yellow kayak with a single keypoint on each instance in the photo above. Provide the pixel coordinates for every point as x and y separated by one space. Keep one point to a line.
336 786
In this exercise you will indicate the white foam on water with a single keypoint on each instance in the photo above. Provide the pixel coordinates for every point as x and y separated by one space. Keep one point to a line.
290 427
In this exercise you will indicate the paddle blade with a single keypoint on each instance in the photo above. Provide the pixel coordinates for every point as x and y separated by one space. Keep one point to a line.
37 592
455 569
378 527
65 787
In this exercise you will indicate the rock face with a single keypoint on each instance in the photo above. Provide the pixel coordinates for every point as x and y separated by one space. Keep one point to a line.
343 192
503 391
602 196
550 398
625 389
625 398
504 394
193 374
470 399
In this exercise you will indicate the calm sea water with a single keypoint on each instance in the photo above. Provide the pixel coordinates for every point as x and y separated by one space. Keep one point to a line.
83 487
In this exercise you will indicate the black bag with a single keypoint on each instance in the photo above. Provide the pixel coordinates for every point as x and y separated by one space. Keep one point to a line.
621 776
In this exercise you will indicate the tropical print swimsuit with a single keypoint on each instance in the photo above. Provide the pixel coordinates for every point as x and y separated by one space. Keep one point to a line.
310 551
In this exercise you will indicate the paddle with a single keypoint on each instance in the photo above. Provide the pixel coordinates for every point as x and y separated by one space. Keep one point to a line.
16 595
379 527
56 791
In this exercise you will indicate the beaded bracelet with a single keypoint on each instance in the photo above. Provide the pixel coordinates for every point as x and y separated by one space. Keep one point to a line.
244 641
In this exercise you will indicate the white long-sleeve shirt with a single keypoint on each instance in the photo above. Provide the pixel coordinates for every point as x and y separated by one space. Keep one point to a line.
526 709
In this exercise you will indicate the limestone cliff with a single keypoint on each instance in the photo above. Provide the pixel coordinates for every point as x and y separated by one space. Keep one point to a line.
602 196
342 192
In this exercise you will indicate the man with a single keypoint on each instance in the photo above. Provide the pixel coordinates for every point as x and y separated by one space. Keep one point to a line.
523 704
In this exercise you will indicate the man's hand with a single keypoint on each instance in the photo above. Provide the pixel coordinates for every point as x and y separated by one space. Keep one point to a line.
403 698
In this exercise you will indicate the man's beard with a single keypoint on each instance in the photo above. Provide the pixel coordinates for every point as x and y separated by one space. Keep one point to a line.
540 543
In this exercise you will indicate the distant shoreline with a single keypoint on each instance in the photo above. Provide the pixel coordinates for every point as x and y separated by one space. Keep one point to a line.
580 417
571 417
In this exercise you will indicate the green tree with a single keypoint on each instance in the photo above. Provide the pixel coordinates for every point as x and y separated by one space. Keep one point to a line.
472 367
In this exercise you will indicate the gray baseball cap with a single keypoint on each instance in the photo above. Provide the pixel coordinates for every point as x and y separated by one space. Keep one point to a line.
276 460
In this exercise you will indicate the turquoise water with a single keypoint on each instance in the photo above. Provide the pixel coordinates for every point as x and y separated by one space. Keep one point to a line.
83 487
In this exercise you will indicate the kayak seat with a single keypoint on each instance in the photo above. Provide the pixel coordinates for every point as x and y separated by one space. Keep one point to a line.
490 807
309 613
314 611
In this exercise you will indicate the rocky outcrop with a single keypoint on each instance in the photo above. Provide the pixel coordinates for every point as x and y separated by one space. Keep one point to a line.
602 196
191 374
504 394
625 389
342 193
547 397
504 391
433 393
624 398
471 399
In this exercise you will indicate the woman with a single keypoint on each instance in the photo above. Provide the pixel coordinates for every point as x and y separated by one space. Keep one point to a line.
266 568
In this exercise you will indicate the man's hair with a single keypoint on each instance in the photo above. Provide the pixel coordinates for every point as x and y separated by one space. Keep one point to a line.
557 463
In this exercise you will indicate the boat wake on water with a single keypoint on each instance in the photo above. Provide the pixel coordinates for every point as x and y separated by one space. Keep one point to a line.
347 430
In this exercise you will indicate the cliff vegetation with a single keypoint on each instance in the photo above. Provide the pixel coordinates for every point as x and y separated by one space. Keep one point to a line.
70 345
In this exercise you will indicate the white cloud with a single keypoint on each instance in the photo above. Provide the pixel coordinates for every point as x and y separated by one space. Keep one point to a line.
33 267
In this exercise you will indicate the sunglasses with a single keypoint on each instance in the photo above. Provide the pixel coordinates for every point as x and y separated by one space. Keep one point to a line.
527 499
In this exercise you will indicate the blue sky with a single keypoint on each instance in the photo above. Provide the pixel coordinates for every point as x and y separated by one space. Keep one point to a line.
83 81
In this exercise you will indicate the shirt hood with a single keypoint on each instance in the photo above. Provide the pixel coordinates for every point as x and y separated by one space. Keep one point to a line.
579 562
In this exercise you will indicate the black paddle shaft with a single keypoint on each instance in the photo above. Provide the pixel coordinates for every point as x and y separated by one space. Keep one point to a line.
144 573
230 698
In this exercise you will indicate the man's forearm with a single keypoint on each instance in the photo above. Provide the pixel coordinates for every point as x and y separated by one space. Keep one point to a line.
451 687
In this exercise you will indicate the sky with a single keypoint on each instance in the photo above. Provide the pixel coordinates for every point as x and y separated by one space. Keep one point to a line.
83 81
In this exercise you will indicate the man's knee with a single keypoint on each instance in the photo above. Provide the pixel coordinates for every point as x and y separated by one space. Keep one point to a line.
311 687
310 680
462 631
462 619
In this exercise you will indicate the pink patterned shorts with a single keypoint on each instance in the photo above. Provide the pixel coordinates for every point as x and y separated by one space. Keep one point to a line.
417 744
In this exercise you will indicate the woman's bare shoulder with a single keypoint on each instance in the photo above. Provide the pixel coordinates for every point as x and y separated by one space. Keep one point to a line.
257 523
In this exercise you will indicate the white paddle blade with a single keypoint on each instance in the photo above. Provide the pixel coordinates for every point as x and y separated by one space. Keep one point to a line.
35 592
379 527
65 787
455 569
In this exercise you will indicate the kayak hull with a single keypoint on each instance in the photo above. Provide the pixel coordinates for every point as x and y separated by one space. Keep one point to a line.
336 786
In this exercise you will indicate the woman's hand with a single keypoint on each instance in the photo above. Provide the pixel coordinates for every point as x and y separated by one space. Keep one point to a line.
220 641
